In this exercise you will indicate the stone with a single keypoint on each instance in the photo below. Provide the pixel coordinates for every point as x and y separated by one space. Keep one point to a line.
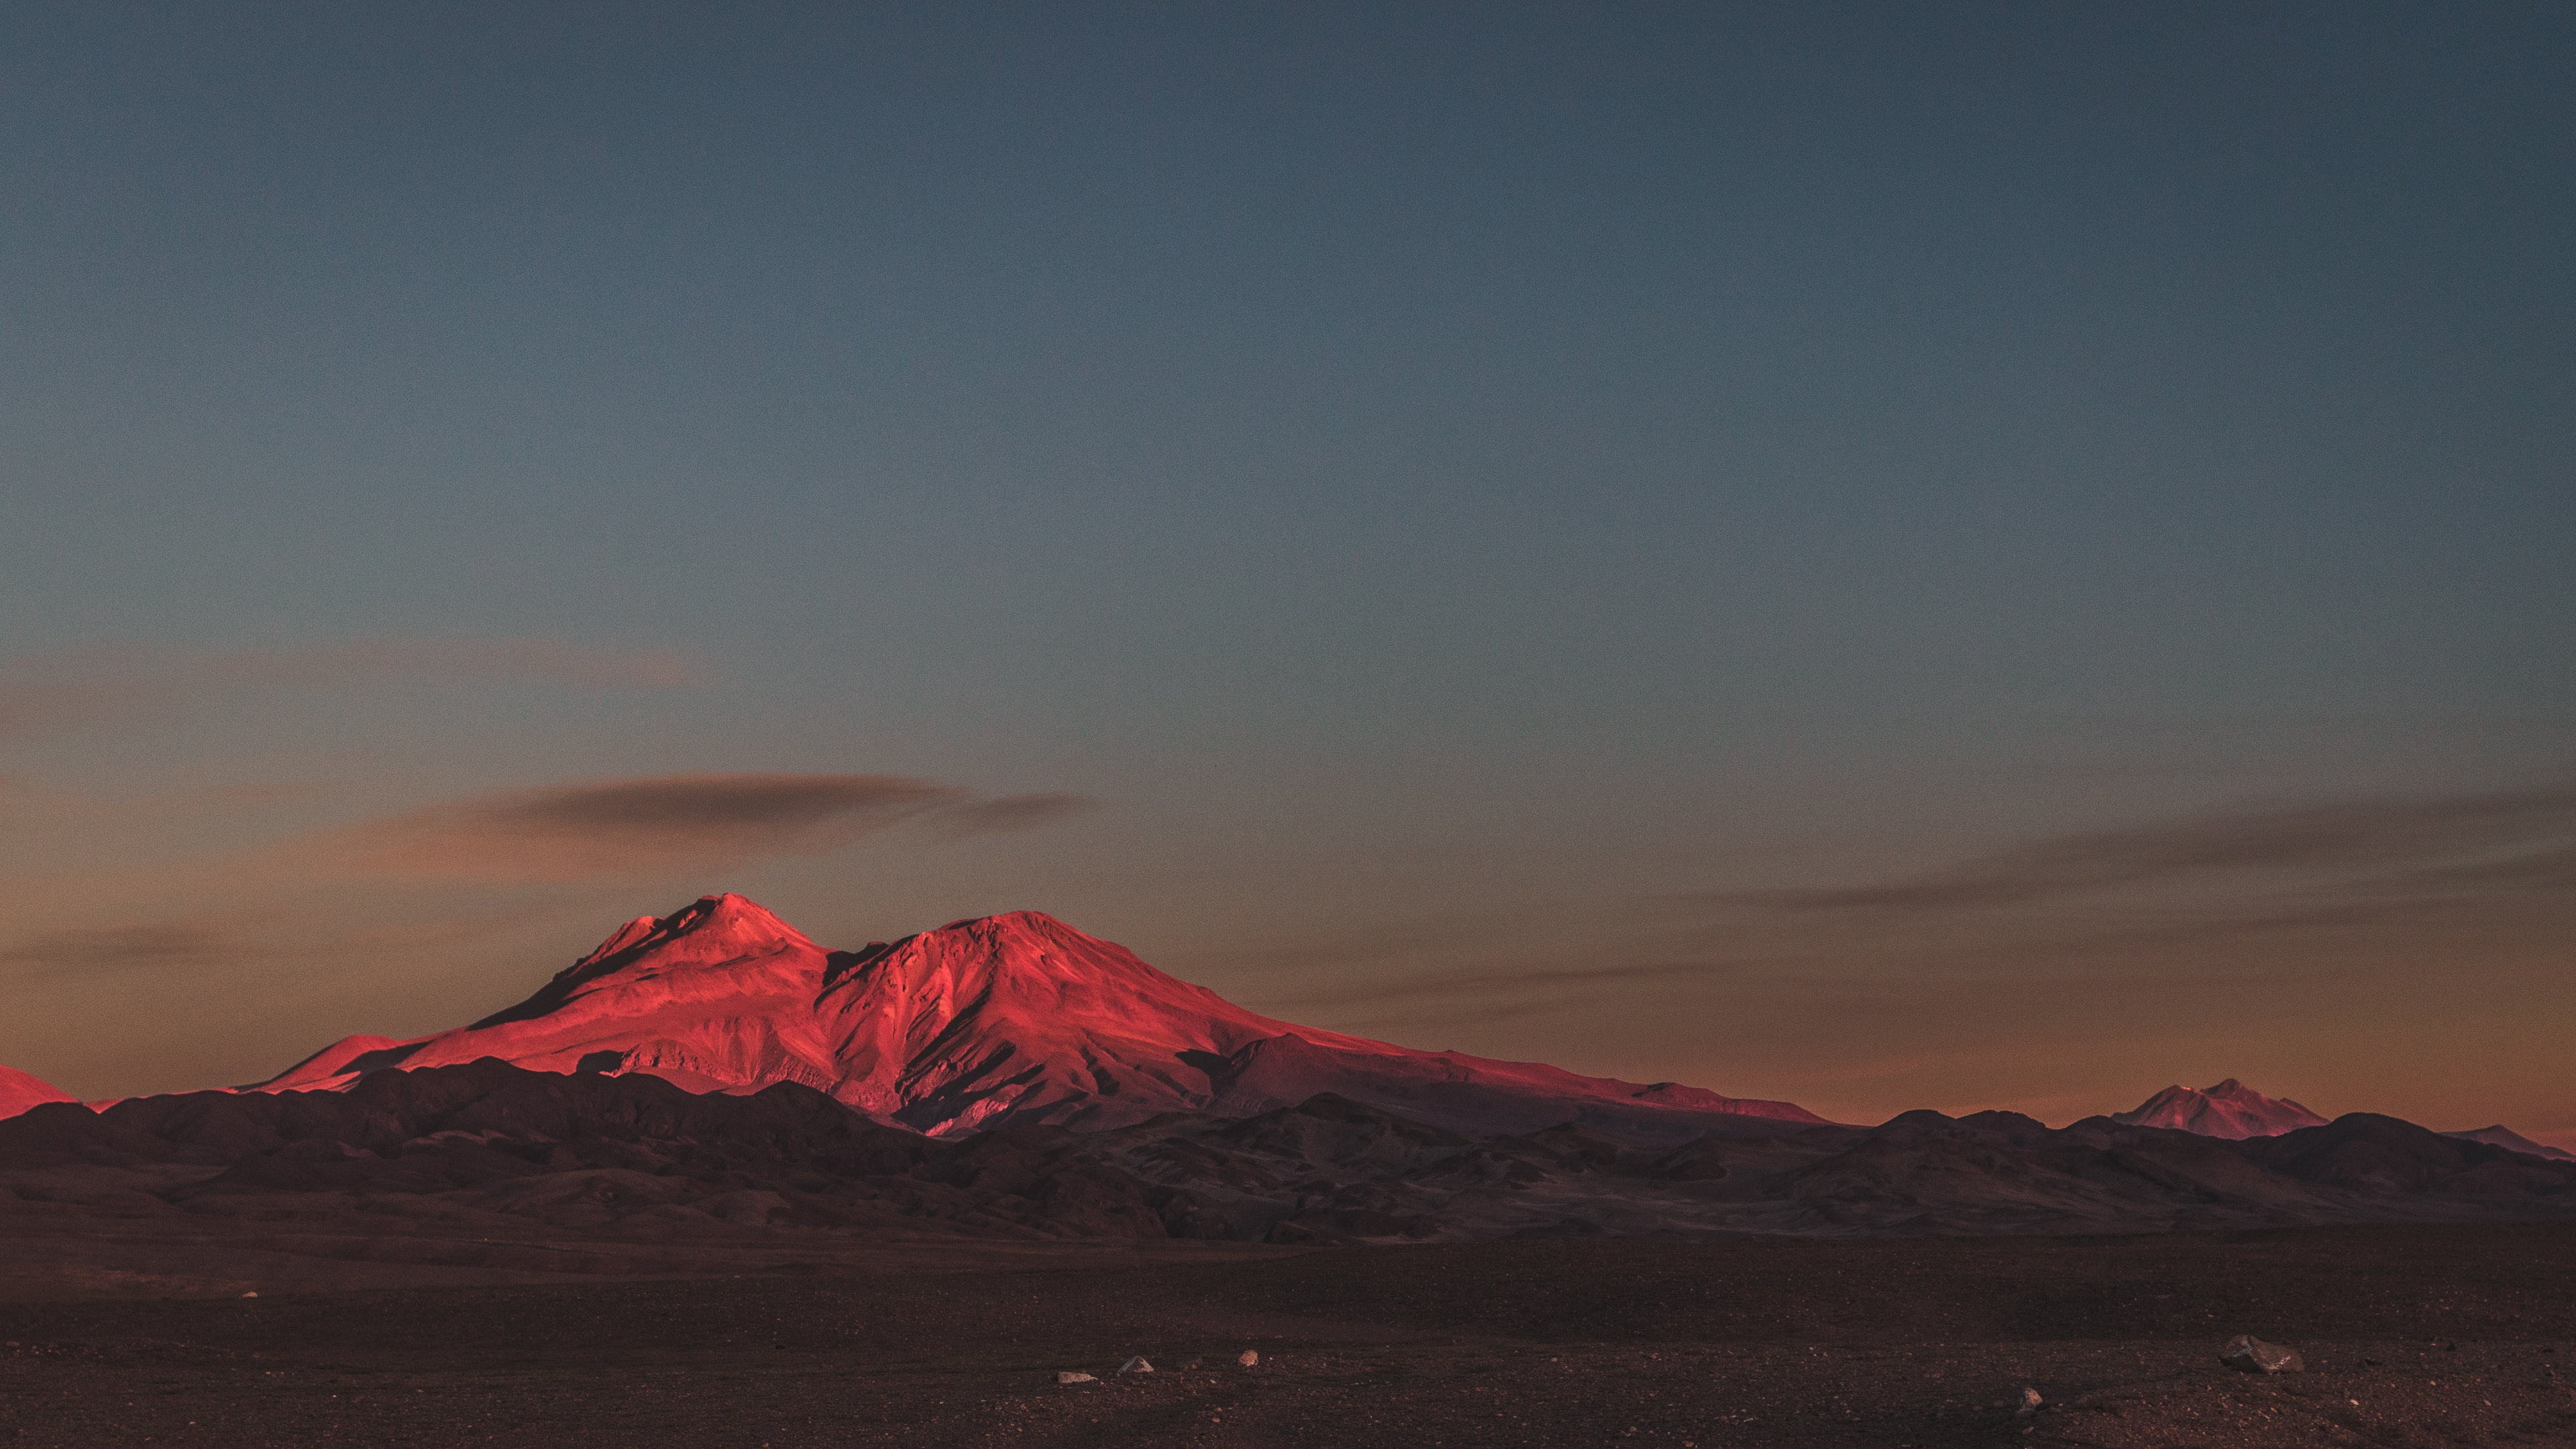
2247 1354
1068 1376
1136 1365
2030 1402
1248 1358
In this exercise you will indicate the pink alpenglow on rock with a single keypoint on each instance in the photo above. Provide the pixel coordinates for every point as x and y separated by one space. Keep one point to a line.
2230 1109
20 1091
1015 1017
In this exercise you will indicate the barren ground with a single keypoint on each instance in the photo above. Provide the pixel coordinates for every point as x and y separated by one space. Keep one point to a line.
2412 1335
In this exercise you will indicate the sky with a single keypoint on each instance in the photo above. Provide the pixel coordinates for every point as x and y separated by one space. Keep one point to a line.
1884 556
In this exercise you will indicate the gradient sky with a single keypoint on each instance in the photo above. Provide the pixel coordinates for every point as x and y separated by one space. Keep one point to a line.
1886 556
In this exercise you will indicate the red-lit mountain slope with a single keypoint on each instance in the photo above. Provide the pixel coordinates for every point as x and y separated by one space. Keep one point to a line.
1011 1017
20 1091
2230 1109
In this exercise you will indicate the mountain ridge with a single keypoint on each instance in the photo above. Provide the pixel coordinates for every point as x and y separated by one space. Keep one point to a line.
1020 1017
992 1019
2505 1137
487 1153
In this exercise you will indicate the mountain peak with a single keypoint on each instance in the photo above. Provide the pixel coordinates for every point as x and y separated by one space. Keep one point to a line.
2230 1109
719 937
730 915
22 1090
1019 931
1012 927
718 920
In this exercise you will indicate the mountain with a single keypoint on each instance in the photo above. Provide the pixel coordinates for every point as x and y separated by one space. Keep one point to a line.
488 1166
2505 1137
1009 1018
20 1091
2230 1109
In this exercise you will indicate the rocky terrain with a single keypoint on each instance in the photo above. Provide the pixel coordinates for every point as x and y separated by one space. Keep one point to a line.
465 1167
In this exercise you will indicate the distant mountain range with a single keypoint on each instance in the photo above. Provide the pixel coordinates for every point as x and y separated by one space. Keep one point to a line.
479 1165
2514 1141
1098 1079
2237 1112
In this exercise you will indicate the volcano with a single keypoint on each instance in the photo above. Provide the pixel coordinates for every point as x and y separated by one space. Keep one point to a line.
2230 1109
20 1091
1008 1018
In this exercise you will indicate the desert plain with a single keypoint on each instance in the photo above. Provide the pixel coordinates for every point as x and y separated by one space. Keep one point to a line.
2411 1335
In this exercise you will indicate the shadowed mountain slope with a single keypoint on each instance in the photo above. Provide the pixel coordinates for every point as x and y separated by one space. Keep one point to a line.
1007 1018
2230 1109
486 1153
2503 1136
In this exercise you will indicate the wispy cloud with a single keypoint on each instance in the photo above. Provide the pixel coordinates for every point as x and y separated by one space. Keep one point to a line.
107 950
276 933
1450 999
638 827
1005 813
1491 986
2507 836
50 691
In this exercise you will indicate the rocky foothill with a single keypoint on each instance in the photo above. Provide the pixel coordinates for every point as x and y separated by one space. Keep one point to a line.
455 1156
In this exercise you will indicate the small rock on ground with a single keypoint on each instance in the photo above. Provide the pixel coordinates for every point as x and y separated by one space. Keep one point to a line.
2252 1355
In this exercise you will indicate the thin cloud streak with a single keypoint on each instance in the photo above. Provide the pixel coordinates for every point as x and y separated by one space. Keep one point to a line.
1498 996
638 827
2438 834
1009 813
1472 985
115 950
55 691
273 936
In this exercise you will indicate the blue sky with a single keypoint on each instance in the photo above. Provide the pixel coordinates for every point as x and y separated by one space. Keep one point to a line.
1412 470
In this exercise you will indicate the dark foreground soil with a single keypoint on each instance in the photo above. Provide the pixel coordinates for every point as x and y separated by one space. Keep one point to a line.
2413 1336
